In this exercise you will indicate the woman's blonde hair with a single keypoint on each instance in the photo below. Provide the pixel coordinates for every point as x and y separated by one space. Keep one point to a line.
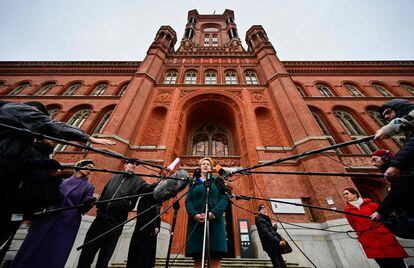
208 159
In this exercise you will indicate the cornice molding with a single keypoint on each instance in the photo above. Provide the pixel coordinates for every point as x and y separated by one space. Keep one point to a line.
357 67
68 67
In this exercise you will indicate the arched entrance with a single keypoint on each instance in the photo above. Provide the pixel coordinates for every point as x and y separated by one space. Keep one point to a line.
212 125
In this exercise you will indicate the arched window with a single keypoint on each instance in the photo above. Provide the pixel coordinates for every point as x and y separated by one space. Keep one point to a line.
354 129
71 90
190 77
325 129
210 140
100 89
53 110
408 87
45 88
325 91
353 90
76 120
376 116
300 90
251 78
231 78
102 123
123 89
19 88
210 77
170 77
382 90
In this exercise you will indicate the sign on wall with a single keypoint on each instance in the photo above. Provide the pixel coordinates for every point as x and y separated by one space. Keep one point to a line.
287 208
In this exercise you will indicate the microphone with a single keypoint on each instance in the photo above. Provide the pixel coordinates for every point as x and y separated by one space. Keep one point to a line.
223 187
169 187
222 172
196 176
170 168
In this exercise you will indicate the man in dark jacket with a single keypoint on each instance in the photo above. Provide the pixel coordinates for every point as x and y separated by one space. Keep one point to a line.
111 214
269 237
143 246
398 112
15 148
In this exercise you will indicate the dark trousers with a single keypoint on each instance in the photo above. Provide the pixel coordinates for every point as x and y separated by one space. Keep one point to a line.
276 258
391 263
106 244
142 249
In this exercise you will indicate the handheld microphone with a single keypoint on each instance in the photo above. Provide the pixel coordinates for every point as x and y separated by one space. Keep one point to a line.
222 172
170 168
223 187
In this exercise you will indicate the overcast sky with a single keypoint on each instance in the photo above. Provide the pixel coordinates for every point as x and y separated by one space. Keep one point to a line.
124 29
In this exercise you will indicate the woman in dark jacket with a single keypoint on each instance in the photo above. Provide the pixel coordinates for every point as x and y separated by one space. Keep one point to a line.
195 229
376 240
269 237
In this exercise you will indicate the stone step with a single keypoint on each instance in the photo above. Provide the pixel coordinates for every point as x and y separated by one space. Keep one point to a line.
225 263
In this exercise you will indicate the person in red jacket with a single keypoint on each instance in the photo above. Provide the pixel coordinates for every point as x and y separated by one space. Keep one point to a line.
376 240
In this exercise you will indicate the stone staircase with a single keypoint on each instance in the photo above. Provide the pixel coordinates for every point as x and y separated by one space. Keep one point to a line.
225 263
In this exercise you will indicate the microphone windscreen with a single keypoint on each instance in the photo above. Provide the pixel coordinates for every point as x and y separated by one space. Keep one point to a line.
168 188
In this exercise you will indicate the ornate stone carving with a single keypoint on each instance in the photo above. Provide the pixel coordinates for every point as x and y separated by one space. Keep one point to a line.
258 97
193 161
163 96
356 161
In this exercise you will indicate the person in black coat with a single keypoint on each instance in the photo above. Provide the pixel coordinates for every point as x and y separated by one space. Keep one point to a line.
143 246
399 113
269 237
112 214
16 149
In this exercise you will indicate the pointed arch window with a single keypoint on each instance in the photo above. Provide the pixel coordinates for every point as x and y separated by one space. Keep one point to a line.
325 91
210 77
355 131
45 88
231 78
19 88
300 90
71 90
354 91
376 116
408 87
53 112
100 89
76 120
251 78
382 90
210 140
325 129
123 89
170 77
190 77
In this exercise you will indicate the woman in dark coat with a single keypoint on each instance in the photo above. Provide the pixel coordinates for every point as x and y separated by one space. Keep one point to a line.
376 240
195 228
50 239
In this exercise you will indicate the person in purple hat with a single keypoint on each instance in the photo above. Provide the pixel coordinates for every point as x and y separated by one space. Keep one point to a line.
50 238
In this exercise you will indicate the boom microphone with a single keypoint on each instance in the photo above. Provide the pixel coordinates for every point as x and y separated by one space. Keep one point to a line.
168 188
170 168
223 173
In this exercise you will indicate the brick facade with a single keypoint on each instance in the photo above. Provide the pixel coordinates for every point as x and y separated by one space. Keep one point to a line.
261 112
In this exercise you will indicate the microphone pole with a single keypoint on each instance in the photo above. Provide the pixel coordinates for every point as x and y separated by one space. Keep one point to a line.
245 197
307 153
85 147
114 228
176 207
162 212
206 233
55 210
121 172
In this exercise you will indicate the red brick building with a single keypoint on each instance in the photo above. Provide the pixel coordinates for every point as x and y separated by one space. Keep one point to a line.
213 97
